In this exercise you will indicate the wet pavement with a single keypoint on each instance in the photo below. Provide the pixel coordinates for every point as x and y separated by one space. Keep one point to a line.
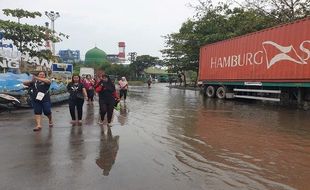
161 139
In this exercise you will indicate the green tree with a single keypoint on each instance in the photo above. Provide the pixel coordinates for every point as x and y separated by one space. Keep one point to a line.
119 70
142 62
20 13
210 24
27 38
282 11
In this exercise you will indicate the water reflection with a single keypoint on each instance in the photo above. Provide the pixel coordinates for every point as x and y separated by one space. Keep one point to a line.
42 153
108 148
239 143
187 142
123 114
76 148
89 114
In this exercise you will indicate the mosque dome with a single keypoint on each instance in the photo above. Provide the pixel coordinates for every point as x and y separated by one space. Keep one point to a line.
95 55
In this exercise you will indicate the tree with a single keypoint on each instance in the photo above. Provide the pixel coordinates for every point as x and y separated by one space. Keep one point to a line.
210 24
119 70
20 13
27 38
142 62
282 11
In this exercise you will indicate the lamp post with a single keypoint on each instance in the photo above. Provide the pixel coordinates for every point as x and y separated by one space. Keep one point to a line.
132 56
52 16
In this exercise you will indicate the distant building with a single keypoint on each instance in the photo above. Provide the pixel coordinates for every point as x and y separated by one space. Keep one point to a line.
113 58
95 55
121 53
70 56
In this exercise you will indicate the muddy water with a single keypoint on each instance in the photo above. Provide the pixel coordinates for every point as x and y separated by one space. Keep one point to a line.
161 139
230 144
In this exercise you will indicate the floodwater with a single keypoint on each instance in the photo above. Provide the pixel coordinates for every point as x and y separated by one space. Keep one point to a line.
161 139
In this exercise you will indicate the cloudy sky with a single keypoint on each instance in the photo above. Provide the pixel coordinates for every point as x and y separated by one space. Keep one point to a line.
139 23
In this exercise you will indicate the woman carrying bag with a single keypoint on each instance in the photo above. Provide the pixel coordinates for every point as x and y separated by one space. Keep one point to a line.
107 97
76 100
40 98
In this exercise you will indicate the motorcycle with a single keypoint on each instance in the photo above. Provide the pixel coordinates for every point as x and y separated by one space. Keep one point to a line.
7 102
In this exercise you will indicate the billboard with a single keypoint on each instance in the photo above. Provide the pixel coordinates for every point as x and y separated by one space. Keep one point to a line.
62 68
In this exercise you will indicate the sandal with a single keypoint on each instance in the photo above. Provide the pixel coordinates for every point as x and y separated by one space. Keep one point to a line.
37 129
50 125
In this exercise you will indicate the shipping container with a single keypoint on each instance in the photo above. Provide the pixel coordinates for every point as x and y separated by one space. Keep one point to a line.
271 64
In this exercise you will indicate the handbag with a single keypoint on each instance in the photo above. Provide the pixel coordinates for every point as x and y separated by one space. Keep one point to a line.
80 96
98 88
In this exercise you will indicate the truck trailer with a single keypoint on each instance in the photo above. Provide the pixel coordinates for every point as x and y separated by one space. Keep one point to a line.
270 65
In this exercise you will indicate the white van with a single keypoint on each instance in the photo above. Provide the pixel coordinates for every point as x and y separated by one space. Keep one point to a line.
87 71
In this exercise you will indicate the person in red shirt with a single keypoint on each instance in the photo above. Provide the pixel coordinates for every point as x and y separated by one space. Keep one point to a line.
89 86
107 97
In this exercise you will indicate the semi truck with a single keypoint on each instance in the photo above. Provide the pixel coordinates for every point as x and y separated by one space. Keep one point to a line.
270 65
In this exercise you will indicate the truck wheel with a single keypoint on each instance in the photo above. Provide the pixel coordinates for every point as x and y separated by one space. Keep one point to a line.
210 91
221 92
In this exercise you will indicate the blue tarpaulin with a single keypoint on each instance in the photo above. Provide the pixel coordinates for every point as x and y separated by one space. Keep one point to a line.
13 82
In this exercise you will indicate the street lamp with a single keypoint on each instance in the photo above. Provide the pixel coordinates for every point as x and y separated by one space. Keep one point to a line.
132 56
52 16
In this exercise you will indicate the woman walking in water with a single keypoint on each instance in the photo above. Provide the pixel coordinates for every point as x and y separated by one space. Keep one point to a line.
149 81
107 97
40 98
123 87
76 99
89 86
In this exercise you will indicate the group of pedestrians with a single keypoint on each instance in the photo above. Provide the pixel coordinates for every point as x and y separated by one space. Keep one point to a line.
79 90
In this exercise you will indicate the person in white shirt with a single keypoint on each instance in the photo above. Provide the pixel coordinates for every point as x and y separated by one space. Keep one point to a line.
123 86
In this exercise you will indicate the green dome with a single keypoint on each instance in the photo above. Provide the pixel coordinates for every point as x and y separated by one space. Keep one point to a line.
95 55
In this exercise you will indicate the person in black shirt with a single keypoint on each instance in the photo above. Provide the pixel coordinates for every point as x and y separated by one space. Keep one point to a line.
107 97
76 99
40 98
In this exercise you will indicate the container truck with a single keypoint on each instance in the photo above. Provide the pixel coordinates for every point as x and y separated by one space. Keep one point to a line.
272 64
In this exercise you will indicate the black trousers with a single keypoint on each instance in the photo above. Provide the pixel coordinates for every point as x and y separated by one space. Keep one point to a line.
78 104
90 94
106 108
123 92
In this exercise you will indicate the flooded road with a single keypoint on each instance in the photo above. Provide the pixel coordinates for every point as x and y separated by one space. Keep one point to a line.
161 139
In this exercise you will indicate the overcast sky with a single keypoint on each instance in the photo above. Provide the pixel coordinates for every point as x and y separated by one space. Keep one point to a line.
139 23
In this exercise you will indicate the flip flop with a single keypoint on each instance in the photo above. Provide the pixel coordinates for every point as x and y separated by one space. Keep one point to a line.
50 125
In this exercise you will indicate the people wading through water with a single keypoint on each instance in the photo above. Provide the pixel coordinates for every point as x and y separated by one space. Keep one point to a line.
76 99
40 97
89 86
123 88
107 98
149 81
